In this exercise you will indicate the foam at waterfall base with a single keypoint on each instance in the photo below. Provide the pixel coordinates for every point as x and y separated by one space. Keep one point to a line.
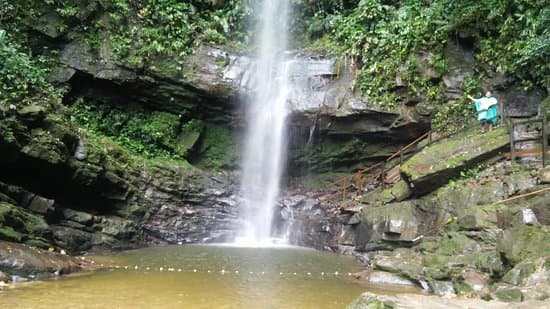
251 242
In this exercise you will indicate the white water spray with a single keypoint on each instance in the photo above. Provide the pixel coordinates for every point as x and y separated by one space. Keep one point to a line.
266 136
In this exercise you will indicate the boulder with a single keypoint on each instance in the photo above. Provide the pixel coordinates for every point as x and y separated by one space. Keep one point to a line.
41 205
25 261
518 274
77 216
117 227
534 280
73 240
403 262
383 277
475 281
443 288
398 222
371 300
398 192
4 278
16 224
524 241
478 218
437 163
508 294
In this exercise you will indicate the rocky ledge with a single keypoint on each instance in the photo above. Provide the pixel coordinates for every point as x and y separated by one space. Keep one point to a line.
20 262
458 239
371 300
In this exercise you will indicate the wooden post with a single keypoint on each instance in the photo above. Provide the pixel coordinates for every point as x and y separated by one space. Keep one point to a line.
512 144
544 141
359 182
430 137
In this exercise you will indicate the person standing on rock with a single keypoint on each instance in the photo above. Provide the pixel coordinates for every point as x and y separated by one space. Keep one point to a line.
487 110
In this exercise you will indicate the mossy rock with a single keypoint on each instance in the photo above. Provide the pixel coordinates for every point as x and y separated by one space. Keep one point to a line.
45 146
397 222
117 227
453 243
478 218
9 234
38 243
218 148
524 242
436 164
17 224
371 301
517 275
403 262
73 240
509 295
398 192
489 262
329 153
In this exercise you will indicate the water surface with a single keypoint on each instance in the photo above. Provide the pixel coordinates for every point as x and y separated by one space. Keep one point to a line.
200 277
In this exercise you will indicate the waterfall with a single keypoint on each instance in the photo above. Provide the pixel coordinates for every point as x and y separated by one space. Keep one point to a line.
265 145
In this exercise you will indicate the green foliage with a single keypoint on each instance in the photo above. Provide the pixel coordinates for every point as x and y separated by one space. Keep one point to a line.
22 77
152 134
139 30
453 117
385 38
167 27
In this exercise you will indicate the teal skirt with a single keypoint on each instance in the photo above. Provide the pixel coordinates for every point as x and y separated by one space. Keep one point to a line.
492 114
487 115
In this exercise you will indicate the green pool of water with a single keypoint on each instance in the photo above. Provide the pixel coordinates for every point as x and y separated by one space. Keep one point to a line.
200 277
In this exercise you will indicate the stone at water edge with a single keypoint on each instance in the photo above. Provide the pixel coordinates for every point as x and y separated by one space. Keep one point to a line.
383 278
29 262
371 300
4 278
443 288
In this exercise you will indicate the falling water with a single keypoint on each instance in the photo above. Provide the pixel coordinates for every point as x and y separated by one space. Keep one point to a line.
265 141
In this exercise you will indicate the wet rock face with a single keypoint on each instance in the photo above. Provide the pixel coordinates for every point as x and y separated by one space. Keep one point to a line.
308 223
214 78
28 262
519 103
384 278
207 212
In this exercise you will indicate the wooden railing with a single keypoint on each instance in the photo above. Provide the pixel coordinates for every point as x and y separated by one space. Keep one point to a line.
386 165
382 166
544 135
